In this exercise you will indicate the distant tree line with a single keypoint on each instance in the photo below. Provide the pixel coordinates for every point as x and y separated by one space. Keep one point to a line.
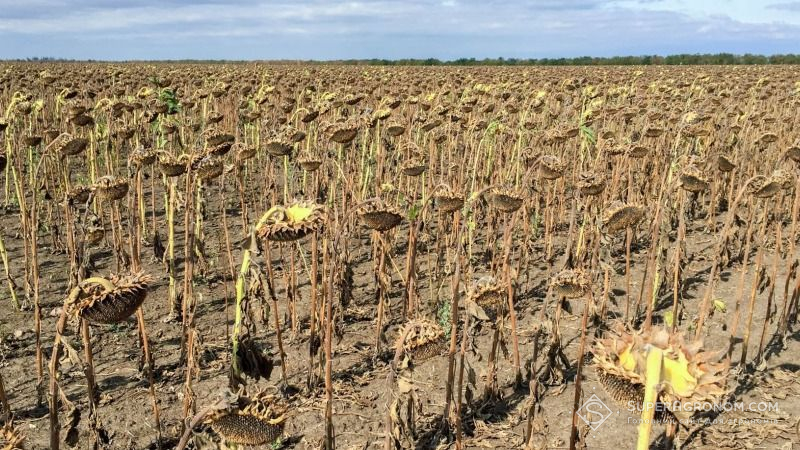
643 60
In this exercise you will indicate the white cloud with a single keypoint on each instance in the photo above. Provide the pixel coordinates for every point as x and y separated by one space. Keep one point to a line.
746 11
383 28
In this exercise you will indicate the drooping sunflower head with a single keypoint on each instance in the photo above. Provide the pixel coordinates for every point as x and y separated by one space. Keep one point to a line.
79 195
591 183
784 177
67 145
395 129
108 300
215 138
414 166
725 163
637 151
767 138
243 152
552 167
111 188
571 283
172 166
619 216
421 339
343 132
208 166
309 162
379 216
793 152
689 375
506 200
449 200
693 180
764 187
142 156
491 296
281 142
256 420
289 223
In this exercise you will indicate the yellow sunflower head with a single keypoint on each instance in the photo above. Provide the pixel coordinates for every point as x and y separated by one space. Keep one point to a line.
689 375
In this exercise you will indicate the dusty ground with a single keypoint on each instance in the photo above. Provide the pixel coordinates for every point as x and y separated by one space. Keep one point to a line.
360 386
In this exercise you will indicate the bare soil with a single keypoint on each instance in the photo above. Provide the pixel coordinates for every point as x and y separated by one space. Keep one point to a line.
360 378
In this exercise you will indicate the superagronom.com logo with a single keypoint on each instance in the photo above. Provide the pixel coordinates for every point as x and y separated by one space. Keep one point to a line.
594 412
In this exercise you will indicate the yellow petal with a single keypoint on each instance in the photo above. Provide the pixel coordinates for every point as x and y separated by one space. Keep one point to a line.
675 373
297 213
626 359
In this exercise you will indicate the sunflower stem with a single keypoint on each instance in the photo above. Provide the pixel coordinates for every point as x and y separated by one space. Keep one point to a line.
655 358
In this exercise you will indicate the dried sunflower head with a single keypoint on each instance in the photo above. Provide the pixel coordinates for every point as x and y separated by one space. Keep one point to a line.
689 375
257 420
108 300
31 141
380 115
281 142
725 163
243 152
309 116
83 120
571 283
343 132
172 166
289 223
277 146
619 216
491 296
421 339
431 124
395 129
24 107
414 166
124 133
591 183
693 180
67 145
449 201
353 98
506 200
551 167
530 155
79 195
215 138
784 177
94 230
253 360
209 166
142 156
637 151
767 138
653 130
379 216
309 162
110 188
764 187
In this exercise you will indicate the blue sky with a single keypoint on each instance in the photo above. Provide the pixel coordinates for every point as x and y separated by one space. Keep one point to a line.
446 29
